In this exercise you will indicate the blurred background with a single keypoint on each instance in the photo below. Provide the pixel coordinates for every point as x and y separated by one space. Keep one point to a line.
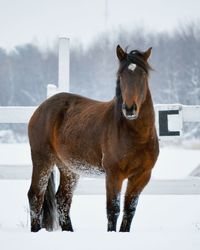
29 50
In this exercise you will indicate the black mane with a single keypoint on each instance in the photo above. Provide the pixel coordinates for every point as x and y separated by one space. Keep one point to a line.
119 100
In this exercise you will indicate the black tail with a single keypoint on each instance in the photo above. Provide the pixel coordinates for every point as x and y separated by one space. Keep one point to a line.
49 211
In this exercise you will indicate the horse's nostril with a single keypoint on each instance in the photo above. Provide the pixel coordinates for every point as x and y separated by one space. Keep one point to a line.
130 109
134 107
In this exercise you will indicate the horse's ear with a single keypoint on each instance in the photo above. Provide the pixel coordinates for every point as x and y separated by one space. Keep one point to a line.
120 53
147 54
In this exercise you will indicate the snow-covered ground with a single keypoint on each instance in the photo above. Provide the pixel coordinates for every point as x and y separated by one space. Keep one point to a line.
161 221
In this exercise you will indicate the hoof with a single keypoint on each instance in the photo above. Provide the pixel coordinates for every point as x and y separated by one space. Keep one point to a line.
67 228
35 228
67 225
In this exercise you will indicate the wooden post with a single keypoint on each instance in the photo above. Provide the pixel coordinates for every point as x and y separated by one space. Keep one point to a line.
63 65
63 69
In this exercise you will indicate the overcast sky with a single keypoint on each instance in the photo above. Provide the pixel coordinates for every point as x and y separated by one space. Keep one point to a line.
42 21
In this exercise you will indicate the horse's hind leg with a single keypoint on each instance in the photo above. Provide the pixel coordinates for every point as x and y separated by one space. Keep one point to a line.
68 181
42 167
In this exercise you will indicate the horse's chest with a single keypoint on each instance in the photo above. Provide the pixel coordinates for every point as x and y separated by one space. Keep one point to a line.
129 160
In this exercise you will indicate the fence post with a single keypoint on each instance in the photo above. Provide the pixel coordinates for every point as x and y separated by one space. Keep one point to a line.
63 65
51 90
63 69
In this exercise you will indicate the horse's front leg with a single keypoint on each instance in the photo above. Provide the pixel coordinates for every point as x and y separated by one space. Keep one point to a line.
134 188
113 189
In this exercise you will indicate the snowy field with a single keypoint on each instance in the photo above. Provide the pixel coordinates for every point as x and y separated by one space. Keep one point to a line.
161 221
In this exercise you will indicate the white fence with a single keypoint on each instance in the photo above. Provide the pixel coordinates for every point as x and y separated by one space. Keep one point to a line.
169 123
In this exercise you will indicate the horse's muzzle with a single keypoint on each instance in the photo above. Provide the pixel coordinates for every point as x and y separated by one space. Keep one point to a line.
130 113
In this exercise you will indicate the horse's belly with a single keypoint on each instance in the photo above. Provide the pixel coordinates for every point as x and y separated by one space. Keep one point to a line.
83 168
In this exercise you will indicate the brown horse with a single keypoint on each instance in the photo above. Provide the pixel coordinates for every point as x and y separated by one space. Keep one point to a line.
83 136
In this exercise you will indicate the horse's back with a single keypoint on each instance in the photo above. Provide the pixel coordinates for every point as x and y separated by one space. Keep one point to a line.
52 112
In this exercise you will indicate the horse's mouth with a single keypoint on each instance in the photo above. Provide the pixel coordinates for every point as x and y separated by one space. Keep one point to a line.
130 114
131 117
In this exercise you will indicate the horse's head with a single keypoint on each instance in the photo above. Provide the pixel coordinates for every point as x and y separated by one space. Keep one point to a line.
132 80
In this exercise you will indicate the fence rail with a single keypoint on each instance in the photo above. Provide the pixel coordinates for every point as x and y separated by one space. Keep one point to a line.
16 114
174 121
